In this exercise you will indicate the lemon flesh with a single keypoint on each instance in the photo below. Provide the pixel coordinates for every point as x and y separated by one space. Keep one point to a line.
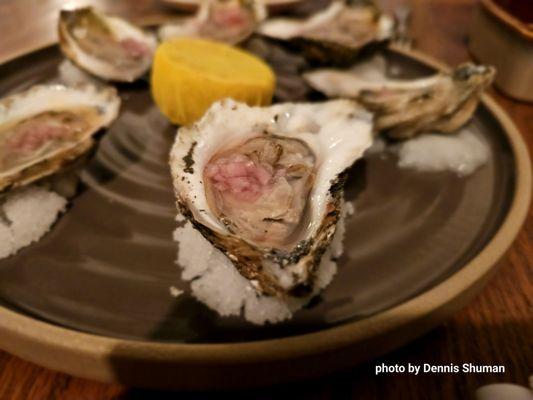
188 75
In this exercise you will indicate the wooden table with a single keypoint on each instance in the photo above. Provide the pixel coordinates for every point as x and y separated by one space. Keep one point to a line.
496 328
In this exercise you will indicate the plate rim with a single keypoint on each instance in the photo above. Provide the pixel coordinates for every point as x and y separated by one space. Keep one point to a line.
103 358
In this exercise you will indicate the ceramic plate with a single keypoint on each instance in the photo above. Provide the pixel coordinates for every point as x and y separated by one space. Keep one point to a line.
92 298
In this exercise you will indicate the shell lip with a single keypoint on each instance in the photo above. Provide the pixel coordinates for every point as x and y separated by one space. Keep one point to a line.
94 65
384 31
257 9
308 251
104 101
280 271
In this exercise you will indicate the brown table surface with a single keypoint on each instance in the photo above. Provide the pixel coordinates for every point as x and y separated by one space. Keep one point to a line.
496 328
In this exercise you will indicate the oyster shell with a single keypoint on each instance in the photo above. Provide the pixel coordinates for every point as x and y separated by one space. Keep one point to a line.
228 21
47 127
334 35
264 185
403 108
107 47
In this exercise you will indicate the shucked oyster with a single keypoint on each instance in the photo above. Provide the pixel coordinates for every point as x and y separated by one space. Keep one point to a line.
403 108
228 21
46 127
335 34
107 47
264 185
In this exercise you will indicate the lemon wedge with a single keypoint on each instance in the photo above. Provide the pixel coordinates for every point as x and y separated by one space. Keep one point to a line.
188 75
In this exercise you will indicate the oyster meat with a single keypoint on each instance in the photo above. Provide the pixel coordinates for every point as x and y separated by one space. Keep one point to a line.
107 47
265 185
335 34
403 108
47 127
228 21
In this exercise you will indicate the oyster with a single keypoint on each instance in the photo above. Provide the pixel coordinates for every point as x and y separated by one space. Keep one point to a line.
107 47
403 108
228 21
335 34
47 127
264 185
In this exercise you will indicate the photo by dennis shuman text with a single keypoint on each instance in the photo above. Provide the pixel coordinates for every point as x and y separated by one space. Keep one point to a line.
426 368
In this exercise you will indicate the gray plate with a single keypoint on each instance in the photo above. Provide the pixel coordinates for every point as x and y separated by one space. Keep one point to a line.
107 265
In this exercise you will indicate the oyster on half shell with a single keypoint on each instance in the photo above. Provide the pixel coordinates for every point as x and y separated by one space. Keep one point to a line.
228 21
48 127
403 108
265 185
105 46
334 35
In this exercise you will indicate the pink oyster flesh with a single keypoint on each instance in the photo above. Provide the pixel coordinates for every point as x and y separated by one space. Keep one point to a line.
40 135
260 189
134 48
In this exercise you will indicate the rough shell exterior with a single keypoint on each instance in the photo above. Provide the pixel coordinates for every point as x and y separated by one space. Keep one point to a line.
307 35
342 135
96 66
45 98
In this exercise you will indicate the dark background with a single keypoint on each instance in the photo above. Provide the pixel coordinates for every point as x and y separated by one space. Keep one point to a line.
496 328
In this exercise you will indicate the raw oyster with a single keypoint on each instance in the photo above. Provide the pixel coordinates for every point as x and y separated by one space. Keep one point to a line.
107 47
264 185
228 21
403 108
48 127
335 34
